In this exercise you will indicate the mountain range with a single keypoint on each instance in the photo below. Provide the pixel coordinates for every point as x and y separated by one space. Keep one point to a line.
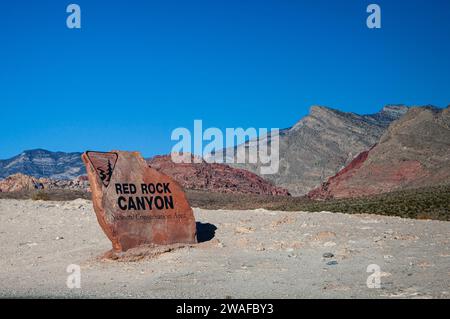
326 154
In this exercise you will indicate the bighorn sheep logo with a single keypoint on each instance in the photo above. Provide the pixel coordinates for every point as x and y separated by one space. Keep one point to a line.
103 164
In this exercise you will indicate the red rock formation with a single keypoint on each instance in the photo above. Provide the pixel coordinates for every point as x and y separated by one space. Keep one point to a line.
414 152
215 177
21 182
327 189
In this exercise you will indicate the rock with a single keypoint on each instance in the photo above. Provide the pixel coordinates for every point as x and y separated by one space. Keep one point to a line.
378 238
21 182
215 177
135 204
332 263
328 255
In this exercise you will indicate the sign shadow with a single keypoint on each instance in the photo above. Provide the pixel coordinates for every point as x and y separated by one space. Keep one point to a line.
205 232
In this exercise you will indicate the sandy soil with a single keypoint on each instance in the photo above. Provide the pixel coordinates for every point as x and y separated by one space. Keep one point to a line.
253 254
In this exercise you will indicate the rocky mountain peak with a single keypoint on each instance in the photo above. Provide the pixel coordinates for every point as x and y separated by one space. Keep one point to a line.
393 111
317 112
395 108
320 111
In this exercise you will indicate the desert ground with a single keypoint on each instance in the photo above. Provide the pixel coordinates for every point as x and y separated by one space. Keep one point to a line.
242 254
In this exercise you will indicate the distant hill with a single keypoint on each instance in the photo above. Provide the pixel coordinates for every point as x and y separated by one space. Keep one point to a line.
215 177
321 144
414 152
42 163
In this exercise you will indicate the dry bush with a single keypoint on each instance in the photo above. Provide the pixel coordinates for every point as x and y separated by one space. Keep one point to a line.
40 195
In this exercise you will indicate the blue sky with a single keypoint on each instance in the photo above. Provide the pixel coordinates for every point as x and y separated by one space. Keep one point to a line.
139 69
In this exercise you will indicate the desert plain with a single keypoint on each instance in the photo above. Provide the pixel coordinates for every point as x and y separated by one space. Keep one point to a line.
240 254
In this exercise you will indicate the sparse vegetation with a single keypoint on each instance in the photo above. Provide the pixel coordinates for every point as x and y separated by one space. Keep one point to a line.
40 195
421 203
51 194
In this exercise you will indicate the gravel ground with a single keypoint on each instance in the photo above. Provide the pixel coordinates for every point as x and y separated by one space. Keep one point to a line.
253 254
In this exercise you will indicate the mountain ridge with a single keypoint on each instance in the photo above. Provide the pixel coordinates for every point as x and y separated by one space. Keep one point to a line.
314 149
318 145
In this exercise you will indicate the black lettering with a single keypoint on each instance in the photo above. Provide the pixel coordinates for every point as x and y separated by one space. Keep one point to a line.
118 189
120 200
132 189
166 188
131 204
159 202
149 201
159 188
144 189
168 201
126 189
140 201
151 188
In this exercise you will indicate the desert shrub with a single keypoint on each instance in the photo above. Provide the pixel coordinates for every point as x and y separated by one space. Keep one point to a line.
40 195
